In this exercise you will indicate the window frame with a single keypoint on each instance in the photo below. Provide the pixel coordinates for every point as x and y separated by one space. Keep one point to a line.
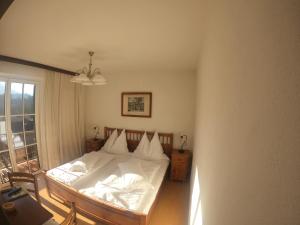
8 79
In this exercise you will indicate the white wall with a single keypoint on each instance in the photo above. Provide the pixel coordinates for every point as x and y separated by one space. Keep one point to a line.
247 141
173 96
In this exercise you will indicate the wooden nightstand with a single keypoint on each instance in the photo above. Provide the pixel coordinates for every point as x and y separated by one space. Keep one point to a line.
93 144
180 165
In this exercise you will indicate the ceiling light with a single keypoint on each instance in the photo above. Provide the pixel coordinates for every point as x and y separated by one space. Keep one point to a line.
89 77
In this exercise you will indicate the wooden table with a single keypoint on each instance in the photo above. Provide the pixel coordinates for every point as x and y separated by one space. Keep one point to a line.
28 212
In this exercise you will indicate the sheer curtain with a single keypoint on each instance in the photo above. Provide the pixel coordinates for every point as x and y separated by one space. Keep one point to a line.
61 120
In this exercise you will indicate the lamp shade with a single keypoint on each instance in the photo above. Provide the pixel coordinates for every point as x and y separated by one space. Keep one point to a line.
80 79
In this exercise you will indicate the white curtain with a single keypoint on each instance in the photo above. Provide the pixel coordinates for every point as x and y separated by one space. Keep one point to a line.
61 121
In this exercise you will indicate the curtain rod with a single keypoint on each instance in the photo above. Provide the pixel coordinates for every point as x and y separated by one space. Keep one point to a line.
34 64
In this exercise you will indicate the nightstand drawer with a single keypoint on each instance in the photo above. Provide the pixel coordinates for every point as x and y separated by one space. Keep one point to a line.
180 160
181 164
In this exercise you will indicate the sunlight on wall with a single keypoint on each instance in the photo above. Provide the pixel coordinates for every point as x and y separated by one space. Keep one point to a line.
196 211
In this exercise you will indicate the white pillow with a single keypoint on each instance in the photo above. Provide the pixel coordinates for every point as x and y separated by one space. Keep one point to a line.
142 149
110 141
155 149
120 145
150 150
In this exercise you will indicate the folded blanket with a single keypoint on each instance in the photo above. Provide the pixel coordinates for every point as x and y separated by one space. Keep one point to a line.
70 172
78 166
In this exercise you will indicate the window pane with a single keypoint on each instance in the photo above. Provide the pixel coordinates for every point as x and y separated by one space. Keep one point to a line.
23 167
17 124
29 97
5 166
18 140
33 160
16 98
32 152
29 123
30 138
34 165
21 160
3 142
5 160
2 125
2 98
20 155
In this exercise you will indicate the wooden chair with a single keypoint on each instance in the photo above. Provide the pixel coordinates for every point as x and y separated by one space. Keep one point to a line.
69 220
71 217
25 178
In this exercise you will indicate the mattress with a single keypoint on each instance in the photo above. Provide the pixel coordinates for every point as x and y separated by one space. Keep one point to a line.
126 182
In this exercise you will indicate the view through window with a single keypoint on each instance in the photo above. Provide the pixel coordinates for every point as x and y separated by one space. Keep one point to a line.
18 144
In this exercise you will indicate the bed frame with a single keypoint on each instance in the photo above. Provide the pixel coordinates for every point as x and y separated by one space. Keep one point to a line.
101 210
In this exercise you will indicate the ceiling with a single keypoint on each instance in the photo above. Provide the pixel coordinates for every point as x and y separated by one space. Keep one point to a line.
126 35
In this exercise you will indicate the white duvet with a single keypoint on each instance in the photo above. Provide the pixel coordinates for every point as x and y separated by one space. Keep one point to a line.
121 180
70 172
125 182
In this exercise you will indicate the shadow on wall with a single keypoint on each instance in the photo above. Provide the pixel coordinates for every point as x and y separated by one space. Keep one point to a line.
195 211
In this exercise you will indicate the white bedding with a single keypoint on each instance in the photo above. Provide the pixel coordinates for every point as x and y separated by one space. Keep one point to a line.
126 182
132 188
71 172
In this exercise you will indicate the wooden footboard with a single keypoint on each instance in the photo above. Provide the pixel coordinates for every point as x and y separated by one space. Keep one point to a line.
100 210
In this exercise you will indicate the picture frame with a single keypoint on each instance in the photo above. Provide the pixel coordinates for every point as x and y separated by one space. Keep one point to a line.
136 104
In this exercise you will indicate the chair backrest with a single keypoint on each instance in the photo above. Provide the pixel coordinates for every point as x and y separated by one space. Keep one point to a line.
25 178
71 217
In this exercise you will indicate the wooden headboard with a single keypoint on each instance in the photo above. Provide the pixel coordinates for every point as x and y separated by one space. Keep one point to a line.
134 136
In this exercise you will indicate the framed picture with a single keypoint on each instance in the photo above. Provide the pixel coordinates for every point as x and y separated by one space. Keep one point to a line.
136 104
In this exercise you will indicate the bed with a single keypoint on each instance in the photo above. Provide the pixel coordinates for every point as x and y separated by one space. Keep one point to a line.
93 201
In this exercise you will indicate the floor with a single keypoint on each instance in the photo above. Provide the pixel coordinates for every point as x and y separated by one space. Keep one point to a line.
172 207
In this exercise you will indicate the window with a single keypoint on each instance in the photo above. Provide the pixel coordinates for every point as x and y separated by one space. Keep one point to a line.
18 142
